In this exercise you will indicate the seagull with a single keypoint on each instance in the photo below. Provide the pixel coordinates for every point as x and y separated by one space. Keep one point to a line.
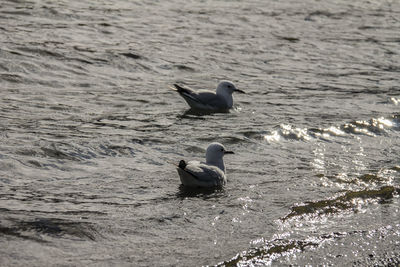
208 174
205 100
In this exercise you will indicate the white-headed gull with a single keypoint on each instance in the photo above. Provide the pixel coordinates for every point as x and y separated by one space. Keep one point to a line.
220 100
208 174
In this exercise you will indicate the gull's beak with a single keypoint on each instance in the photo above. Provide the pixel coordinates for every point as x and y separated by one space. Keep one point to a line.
240 91
229 152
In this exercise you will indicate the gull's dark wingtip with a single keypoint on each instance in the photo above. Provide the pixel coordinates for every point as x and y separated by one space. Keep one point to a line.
181 89
182 164
177 88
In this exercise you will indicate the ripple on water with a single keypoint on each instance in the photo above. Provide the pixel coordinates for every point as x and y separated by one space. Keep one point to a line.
38 228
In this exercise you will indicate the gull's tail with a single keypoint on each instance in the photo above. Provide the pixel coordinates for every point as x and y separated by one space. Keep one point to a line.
180 89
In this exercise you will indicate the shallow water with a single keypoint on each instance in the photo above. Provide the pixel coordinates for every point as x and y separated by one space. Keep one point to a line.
90 133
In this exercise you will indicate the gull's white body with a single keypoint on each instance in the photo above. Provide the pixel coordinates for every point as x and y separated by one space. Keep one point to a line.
197 174
208 174
220 100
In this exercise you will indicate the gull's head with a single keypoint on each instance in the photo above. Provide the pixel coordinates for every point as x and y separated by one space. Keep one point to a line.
227 87
215 152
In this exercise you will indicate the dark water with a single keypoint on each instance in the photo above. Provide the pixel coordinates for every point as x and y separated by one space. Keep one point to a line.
89 130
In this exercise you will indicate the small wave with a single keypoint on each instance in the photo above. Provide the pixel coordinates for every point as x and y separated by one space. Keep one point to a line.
40 52
372 127
49 226
131 55
269 252
55 153
76 152
287 132
16 13
341 203
204 193
324 13
14 78
383 176
272 250
184 68
395 100
279 247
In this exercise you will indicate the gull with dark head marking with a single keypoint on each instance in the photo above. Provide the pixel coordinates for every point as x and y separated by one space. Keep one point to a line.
208 174
220 100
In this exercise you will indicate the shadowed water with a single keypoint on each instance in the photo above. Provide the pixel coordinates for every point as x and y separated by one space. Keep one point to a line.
91 134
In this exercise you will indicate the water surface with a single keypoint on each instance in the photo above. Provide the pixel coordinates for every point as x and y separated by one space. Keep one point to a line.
90 133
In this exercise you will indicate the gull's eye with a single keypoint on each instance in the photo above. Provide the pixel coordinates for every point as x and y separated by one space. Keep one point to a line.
222 150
